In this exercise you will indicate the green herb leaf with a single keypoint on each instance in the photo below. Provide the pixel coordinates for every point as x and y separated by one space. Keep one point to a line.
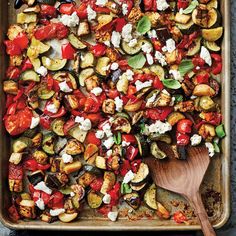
220 131
185 66
142 127
117 139
171 83
125 188
144 25
137 61
191 7
216 147
178 98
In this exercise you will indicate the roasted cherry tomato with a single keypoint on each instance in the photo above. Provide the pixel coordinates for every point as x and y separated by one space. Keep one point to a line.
48 11
184 126
91 105
67 8
91 138
159 113
179 217
19 122
112 93
182 139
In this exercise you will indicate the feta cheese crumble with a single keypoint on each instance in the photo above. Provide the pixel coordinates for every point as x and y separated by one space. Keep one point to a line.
159 127
67 158
150 60
176 74
112 215
115 39
124 9
125 144
152 34
40 204
86 125
128 177
108 143
42 71
70 20
151 100
210 148
161 58
34 122
56 212
101 3
196 140
100 134
96 91
119 104
64 87
170 45
132 43
42 186
127 32
52 108
107 129
107 198
206 56
114 66
140 85
109 153
147 48
127 75
162 5
91 13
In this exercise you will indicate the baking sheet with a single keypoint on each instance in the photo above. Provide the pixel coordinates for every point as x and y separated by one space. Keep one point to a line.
215 188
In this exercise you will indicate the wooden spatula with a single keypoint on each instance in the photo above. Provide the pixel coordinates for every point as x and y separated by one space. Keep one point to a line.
184 177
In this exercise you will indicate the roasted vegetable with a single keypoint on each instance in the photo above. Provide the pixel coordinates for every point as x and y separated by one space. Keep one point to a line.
94 200
141 175
132 200
108 182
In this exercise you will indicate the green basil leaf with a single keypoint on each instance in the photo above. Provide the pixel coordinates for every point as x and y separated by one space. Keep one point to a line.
178 98
117 139
185 66
125 188
220 131
191 7
171 83
144 25
137 61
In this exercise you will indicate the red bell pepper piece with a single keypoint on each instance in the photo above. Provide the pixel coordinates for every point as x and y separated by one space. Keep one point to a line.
159 113
82 11
131 153
97 184
56 200
148 5
179 217
112 93
119 24
12 48
115 193
9 100
182 139
91 138
45 122
95 118
98 50
67 8
184 126
91 105
68 51
12 109
104 210
125 167
135 165
182 4
21 40
61 112
203 78
48 11
157 84
101 9
129 138
13 72
27 65
131 90
13 213
123 64
217 64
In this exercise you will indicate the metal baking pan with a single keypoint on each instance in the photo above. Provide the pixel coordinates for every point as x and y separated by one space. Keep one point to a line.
215 188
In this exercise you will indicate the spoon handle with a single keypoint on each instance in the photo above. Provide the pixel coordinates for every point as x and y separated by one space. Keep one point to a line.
200 211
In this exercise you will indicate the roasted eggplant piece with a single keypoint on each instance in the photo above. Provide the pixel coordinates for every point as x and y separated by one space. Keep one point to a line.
174 118
87 60
48 143
15 158
78 133
85 74
141 175
66 76
133 106
138 187
108 106
133 200
52 181
56 164
10 86
156 152
72 167
109 180
27 209
182 152
40 156
100 162
150 197
92 169
21 144
83 29
36 177
74 147
203 90
121 124
102 66
86 179
91 152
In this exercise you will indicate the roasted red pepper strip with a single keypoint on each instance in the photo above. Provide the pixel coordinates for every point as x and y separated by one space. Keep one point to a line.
13 72
131 153
98 50
91 138
129 138
21 40
68 52
12 48
13 213
159 113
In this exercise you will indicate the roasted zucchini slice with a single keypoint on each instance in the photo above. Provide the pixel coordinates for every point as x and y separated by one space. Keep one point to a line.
78 133
101 67
156 151
141 175
48 143
26 18
21 144
150 197
87 60
94 200
30 75
212 34
44 93
53 64
187 28
66 76
195 47
212 46
84 74
158 70
182 18
143 146
174 118
77 43
131 50
57 126
121 124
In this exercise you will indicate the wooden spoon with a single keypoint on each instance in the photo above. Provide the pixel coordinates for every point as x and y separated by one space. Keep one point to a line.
184 177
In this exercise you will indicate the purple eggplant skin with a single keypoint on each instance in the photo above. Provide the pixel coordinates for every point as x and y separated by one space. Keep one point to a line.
18 4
